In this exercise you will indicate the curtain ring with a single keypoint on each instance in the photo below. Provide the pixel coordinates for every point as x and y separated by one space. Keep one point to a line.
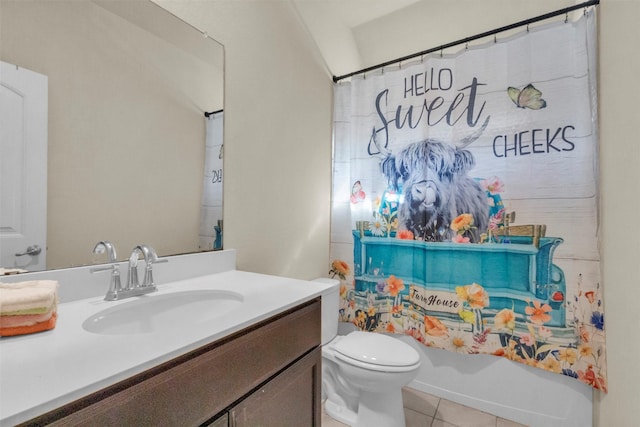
466 46
495 38
566 18
527 28
440 52
422 59
382 71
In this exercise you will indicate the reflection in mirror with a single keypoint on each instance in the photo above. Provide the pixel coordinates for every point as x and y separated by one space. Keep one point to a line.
128 86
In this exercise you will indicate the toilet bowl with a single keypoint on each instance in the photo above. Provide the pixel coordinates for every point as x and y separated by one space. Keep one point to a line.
363 372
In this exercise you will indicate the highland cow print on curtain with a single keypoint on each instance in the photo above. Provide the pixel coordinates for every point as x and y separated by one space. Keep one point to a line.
464 209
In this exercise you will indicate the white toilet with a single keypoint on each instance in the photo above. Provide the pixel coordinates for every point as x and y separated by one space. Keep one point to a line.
362 372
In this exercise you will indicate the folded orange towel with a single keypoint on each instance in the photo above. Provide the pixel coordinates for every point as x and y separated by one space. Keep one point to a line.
22 330
24 320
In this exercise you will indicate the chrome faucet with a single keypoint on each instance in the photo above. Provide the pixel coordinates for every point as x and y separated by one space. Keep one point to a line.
150 258
115 286
132 287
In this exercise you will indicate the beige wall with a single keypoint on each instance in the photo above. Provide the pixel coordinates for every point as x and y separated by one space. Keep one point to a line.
619 67
278 110
126 127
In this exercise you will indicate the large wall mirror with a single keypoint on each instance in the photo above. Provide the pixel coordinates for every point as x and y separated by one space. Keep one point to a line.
127 85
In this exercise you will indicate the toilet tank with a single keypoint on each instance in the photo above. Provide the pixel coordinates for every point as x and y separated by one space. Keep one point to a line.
330 307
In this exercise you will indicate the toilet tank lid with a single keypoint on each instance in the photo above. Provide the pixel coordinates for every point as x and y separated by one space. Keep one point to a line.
377 349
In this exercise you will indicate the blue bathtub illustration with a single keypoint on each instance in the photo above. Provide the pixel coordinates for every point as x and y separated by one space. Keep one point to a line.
514 271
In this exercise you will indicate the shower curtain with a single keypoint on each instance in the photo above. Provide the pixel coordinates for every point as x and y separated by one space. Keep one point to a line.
211 210
464 206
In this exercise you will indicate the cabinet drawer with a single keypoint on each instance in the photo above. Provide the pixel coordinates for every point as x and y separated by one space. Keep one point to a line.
192 388
293 398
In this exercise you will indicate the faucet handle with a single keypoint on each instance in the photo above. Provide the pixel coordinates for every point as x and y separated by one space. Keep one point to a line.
148 277
107 267
150 255
115 285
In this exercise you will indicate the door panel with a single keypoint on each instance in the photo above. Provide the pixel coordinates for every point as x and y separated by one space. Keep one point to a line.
23 167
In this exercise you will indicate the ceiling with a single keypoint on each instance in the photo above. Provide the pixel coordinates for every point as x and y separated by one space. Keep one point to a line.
333 25
356 12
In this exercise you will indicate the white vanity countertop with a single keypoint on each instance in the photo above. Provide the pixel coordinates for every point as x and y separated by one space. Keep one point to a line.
43 371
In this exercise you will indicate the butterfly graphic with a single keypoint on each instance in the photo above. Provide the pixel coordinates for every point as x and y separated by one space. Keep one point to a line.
357 195
529 97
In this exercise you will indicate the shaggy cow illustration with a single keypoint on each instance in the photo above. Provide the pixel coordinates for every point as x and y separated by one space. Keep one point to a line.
434 180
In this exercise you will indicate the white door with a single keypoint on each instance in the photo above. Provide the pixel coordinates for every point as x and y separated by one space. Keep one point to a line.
23 168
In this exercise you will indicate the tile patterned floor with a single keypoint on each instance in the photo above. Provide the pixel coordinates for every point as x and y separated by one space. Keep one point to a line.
424 410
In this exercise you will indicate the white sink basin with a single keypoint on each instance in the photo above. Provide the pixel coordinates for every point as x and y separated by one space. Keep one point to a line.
166 312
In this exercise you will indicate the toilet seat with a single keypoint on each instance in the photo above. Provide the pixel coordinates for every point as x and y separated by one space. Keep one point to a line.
376 352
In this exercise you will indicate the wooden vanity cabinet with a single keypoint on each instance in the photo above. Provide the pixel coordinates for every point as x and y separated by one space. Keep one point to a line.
268 374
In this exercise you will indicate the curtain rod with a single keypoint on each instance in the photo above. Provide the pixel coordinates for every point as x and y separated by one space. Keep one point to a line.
206 114
566 10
